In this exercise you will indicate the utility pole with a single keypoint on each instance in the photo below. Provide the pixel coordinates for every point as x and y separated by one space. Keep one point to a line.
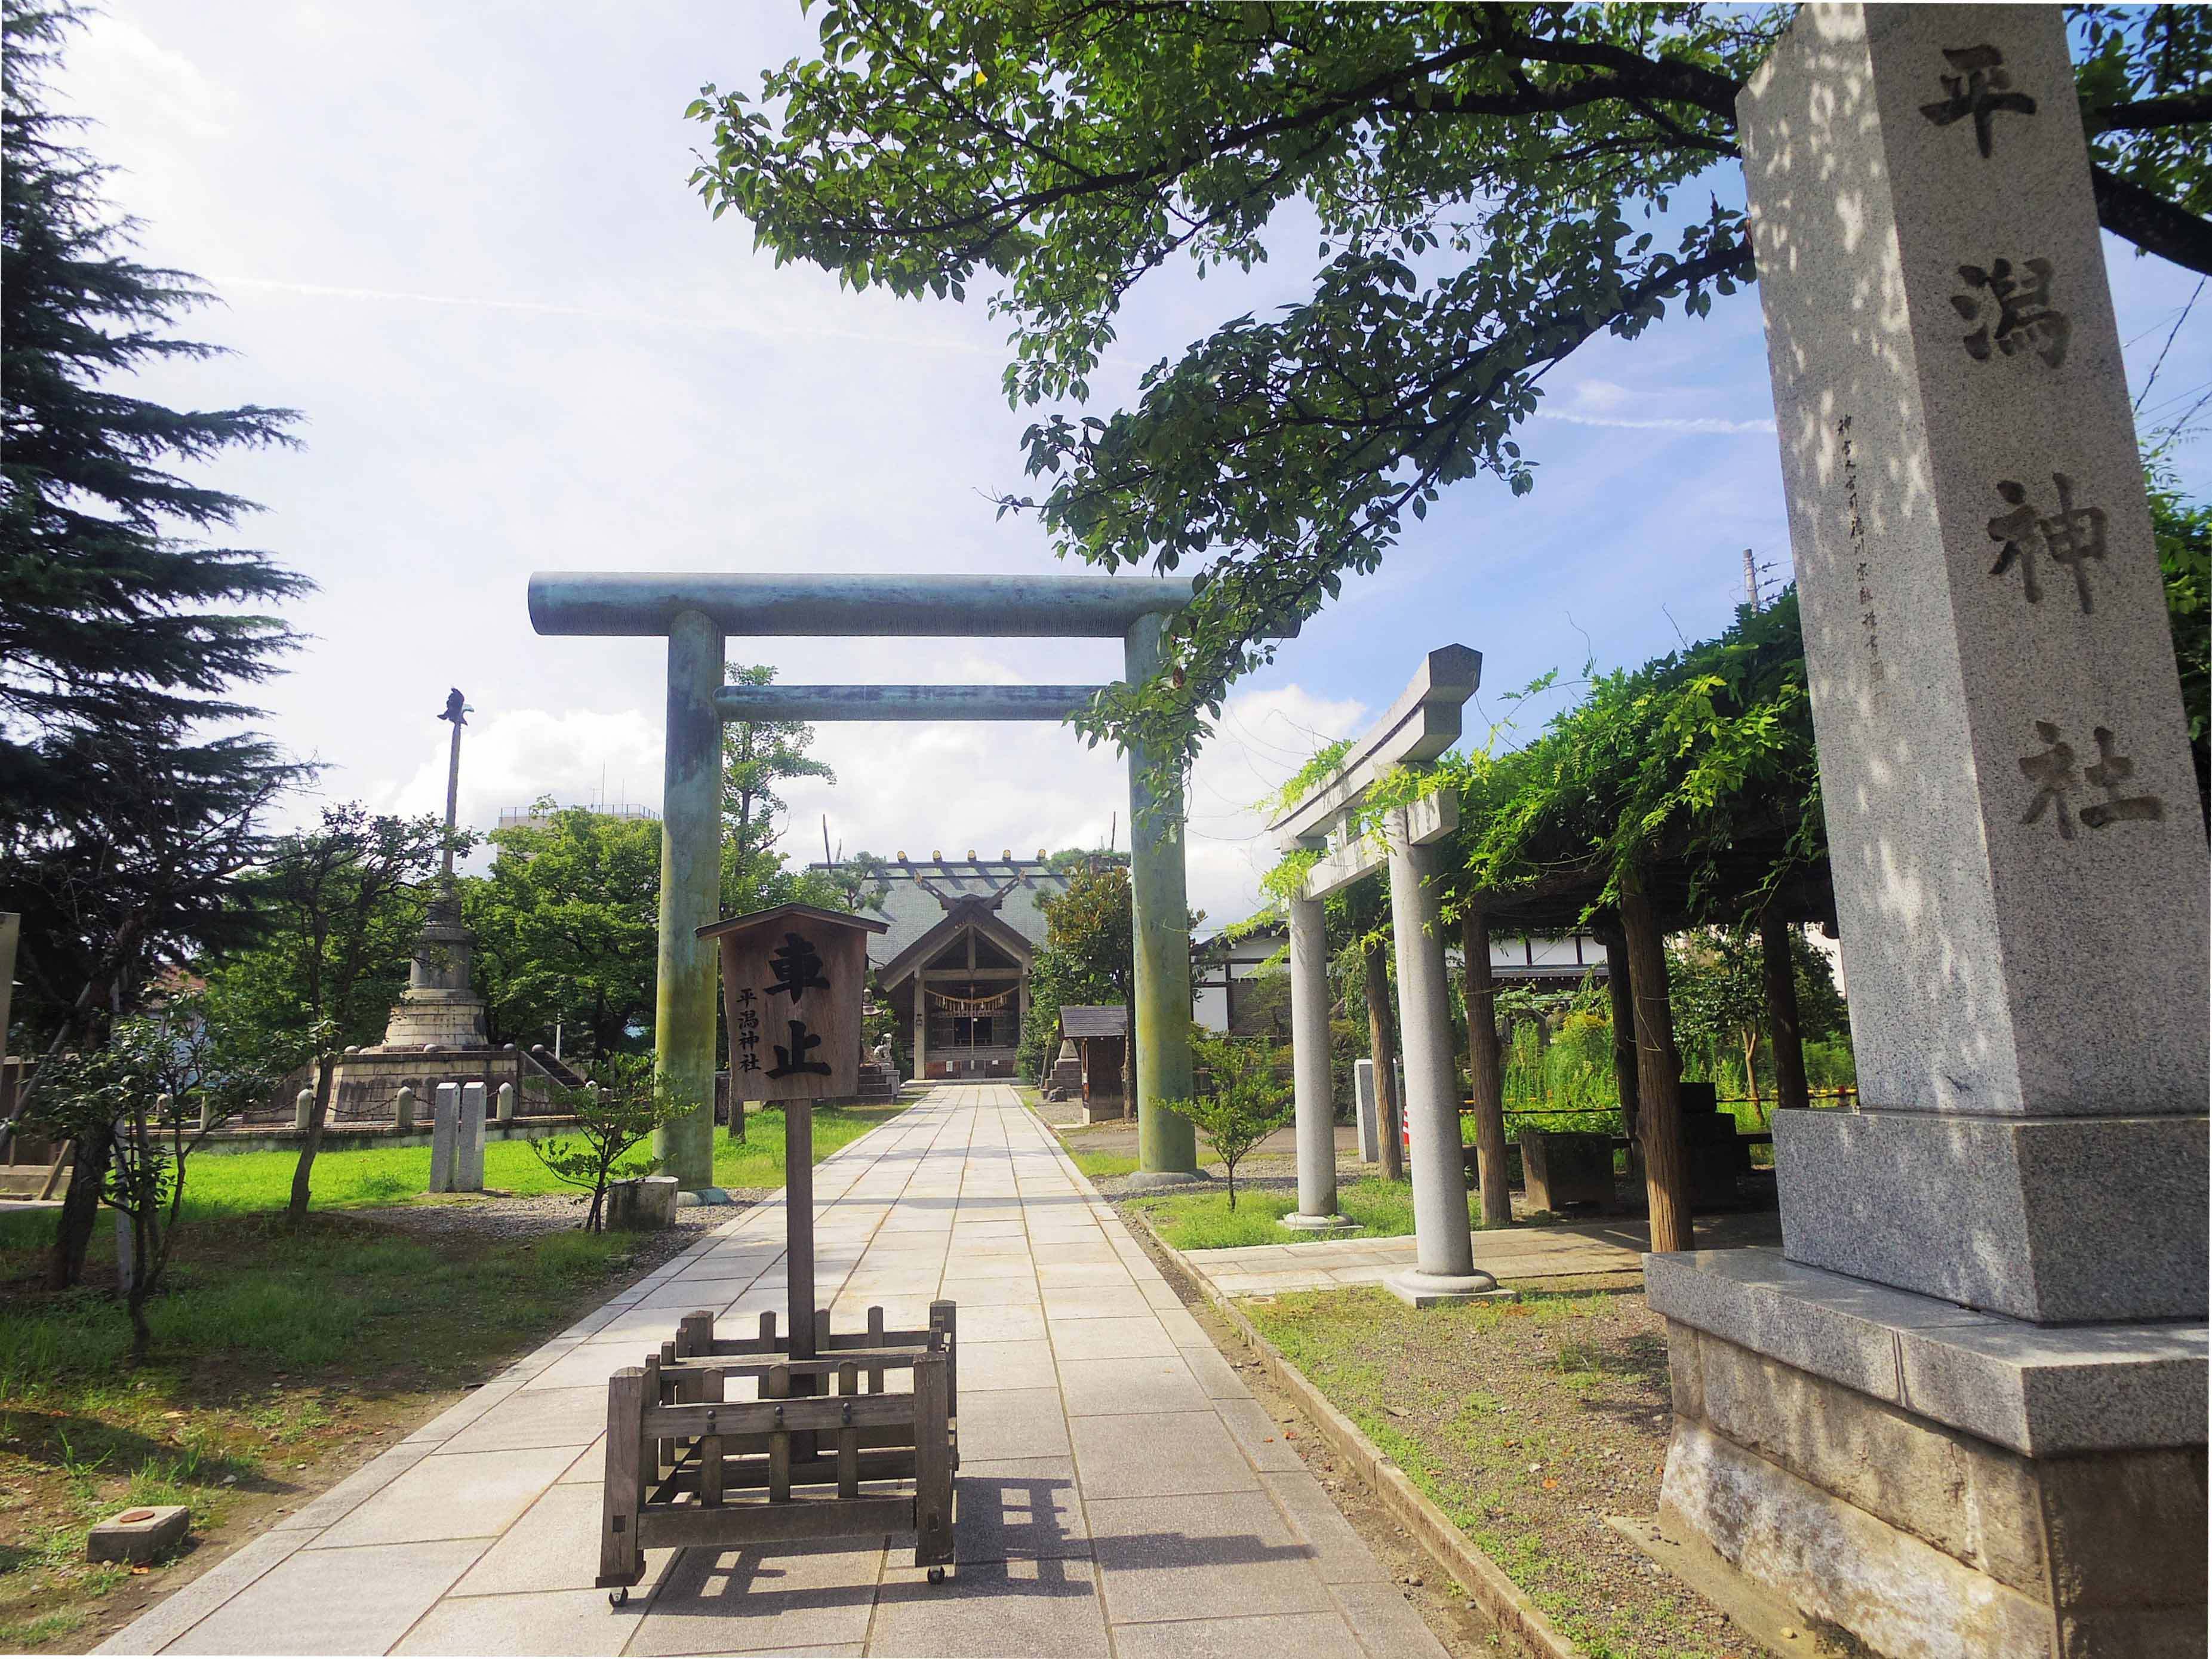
1750 580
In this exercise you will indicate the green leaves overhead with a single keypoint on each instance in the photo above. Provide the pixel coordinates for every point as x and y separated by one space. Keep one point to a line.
1699 765
1492 186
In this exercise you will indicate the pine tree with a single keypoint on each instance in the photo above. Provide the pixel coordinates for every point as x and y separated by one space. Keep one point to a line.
126 811
128 815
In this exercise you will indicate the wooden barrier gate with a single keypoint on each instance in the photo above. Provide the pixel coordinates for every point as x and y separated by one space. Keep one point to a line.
678 1452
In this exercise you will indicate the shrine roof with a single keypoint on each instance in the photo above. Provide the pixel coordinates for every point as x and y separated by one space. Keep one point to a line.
920 893
1084 1020
780 912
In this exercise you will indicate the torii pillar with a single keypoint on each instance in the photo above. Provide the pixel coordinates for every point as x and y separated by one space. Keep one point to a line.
698 614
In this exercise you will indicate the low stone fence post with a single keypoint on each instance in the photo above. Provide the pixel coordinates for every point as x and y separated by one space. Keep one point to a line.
469 1147
445 1132
403 1107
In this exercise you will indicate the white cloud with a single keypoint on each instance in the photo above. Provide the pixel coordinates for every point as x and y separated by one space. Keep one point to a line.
918 788
117 65
760 327
511 758
1601 395
1664 423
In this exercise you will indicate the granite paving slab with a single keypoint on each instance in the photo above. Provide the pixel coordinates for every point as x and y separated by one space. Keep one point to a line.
1120 1492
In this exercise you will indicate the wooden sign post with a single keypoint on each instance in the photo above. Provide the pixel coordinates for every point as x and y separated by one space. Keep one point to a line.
792 979
687 1465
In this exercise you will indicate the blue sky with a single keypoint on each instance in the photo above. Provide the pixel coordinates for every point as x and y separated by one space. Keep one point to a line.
459 238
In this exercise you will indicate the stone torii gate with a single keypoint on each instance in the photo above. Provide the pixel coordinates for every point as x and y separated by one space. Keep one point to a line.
1423 723
697 614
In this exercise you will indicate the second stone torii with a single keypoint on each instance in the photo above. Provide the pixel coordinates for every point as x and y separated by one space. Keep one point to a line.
1422 724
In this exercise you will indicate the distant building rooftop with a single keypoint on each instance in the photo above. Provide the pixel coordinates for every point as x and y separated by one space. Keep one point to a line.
920 893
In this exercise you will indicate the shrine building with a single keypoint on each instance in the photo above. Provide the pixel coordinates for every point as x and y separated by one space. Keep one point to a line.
955 965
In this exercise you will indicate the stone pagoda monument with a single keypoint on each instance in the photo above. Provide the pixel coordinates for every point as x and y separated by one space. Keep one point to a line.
436 1033
439 1010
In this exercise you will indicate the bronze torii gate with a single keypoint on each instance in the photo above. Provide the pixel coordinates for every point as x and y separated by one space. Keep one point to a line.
697 614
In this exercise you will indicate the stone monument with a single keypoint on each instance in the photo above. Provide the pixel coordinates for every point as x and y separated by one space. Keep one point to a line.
1962 1409
438 1009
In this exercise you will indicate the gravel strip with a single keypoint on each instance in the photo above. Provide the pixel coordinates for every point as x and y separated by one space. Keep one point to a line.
489 1215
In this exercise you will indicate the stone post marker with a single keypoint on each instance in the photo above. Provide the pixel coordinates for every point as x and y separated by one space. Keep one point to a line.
403 1110
303 1109
444 1135
505 1108
468 1144
2019 875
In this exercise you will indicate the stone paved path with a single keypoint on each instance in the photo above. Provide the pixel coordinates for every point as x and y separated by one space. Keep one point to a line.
1515 1255
1120 1491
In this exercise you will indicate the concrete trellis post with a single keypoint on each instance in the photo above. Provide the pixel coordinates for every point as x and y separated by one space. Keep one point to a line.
1310 1073
1423 723
1444 1266
697 614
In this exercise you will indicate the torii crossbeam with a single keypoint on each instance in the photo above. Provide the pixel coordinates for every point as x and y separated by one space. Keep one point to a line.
697 614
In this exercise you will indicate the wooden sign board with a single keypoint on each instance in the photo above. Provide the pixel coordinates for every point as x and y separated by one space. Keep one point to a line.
792 979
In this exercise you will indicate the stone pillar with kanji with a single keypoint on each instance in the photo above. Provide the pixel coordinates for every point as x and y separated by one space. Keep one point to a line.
1962 1409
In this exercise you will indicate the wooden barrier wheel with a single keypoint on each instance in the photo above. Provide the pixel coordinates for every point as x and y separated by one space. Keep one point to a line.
619 1598
937 1574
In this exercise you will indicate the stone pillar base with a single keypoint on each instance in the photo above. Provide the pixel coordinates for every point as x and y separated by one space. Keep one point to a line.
1941 1484
1419 1290
1298 1223
702 1195
1145 1181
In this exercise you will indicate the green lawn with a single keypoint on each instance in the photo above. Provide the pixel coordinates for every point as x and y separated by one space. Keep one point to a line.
273 1347
239 1183
1203 1221
1102 1166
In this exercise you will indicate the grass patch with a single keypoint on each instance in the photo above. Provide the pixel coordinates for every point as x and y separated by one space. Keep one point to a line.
1526 1423
224 1183
273 1347
1203 1221
1103 1166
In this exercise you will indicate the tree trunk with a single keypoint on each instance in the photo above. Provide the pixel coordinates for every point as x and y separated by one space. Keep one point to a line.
1624 1024
80 1211
1751 1071
326 1064
145 1261
1383 1045
1658 1071
1783 1033
1485 1073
